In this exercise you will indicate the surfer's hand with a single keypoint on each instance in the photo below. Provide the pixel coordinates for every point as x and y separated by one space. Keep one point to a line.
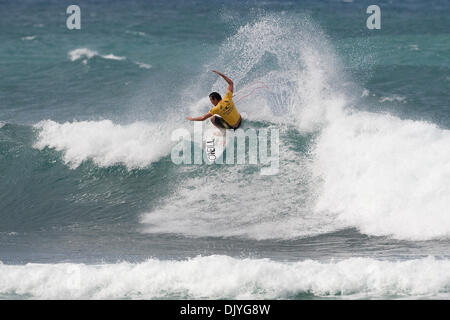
189 118
215 71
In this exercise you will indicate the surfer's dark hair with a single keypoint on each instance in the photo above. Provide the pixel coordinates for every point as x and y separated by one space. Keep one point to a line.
215 96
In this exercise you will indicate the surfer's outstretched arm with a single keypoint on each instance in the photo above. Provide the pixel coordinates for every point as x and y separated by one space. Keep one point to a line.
201 118
228 80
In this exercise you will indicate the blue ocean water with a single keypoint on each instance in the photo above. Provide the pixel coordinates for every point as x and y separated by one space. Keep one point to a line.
92 207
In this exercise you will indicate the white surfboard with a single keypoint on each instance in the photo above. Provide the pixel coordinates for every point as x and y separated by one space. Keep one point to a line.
214 143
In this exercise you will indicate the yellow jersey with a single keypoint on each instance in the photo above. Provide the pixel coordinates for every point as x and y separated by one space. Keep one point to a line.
227 110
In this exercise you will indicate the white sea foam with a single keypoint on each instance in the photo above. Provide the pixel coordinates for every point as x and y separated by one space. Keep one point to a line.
143 65
79 53
28 38
136 33
386 176
365 93
393 98
224 277
113 57
236 200
135 145
2 124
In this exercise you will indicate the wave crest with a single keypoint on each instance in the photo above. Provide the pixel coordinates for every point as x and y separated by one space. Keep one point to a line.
224 277
135 145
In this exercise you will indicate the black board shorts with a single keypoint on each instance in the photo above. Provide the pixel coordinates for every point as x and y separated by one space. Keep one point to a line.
223 124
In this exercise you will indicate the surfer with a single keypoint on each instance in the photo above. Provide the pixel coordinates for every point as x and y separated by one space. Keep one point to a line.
224 113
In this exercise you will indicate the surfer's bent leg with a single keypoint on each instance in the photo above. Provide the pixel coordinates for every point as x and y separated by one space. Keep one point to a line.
238 124
219 122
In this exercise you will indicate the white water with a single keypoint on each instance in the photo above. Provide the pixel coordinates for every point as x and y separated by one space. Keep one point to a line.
79 53
136 145
223 277
28 38
386 176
